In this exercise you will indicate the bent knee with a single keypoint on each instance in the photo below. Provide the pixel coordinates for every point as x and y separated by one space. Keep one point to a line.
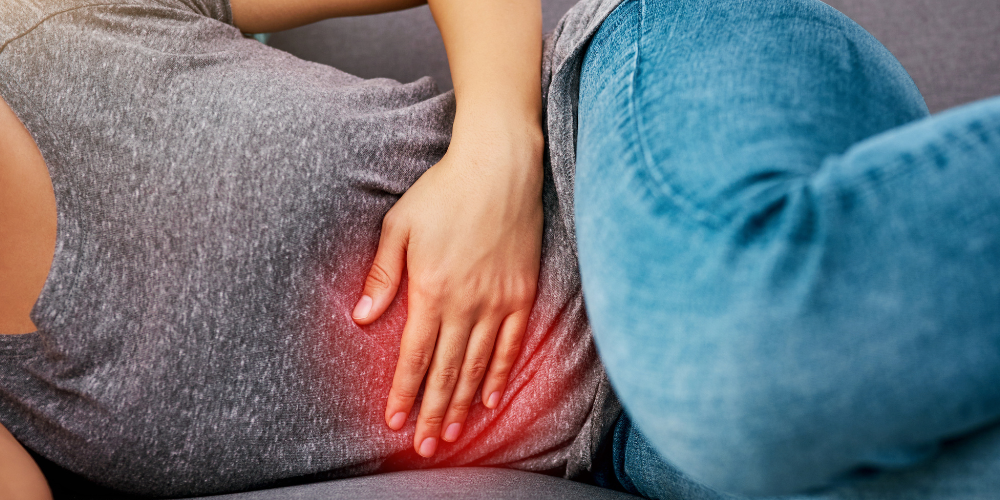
753 449
748 417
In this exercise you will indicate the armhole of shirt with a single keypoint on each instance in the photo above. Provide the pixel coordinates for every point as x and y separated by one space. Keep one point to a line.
220 10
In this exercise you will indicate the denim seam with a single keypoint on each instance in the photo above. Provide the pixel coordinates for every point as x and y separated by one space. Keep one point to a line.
665 186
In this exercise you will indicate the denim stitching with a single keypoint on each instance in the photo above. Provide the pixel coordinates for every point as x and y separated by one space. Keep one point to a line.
667 188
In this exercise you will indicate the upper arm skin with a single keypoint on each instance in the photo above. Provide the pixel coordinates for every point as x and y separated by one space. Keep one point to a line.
27 223
265 16
20 477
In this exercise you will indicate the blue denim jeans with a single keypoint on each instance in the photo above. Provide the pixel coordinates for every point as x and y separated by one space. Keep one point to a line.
792 271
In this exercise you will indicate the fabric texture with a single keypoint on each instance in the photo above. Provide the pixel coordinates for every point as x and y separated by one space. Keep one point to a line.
791 270
473 483
219 204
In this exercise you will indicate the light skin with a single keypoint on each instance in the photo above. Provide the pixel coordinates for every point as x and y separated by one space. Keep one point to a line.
467 234
27 243
20 477
27 224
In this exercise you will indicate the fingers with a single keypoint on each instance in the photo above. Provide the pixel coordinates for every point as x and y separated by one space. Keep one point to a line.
415 351
454 369
385 274
508 346
442 378
477 360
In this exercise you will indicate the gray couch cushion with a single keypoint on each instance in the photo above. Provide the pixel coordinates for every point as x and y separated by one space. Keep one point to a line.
950 47
402 45
470 483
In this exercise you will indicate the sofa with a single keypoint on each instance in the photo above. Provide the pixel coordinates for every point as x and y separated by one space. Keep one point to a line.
951 48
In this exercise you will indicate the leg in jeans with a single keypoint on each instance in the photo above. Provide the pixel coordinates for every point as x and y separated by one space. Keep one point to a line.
792 272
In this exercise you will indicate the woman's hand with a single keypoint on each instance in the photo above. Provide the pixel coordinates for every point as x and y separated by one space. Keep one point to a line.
469 231
469 234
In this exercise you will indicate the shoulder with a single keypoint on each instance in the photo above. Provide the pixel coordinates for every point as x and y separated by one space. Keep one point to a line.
219 10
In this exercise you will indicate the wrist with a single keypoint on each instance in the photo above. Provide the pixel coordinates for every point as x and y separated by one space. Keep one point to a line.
506 155
518 148
500 130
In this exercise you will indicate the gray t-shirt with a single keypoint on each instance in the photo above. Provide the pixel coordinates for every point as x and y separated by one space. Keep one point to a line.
219 204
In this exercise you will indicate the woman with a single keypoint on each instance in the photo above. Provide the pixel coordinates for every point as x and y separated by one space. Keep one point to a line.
744 283
219 206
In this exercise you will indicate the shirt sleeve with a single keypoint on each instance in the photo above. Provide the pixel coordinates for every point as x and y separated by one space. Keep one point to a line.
216 9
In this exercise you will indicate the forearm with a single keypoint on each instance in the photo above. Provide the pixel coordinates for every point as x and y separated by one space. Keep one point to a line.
264 16
494 50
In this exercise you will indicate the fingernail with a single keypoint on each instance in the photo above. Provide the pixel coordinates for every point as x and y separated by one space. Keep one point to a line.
428 447
451 433
363 308
397 421
494 399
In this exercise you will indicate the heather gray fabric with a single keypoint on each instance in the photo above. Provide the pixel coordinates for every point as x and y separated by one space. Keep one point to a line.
473 483
219 204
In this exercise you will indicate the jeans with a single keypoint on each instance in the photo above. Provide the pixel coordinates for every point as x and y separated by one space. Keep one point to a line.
791 270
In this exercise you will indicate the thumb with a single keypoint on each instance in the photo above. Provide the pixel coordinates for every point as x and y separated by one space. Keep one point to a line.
384 275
